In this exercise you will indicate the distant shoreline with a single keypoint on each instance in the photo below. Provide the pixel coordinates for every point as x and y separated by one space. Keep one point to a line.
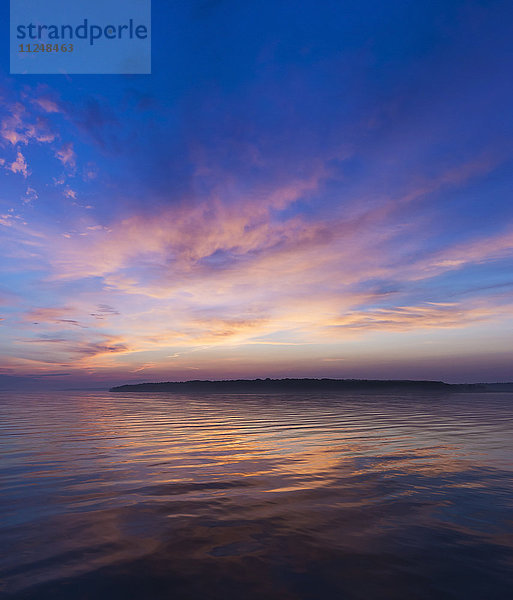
310 385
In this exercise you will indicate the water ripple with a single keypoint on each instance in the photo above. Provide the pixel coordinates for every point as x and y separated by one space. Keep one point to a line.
282 497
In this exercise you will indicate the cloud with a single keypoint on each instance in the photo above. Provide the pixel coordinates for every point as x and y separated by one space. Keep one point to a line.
30 195
90 172
476 251
46 104
47 314
75 350
221 236
206 237
66 155
243 265
70 194
430 315
106 346
57 315
19 127
103 311
19 165
219 272
6 220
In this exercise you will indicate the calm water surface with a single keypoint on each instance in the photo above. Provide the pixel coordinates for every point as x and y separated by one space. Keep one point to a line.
138 496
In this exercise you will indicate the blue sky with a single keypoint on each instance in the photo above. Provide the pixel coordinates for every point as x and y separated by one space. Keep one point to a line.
298 189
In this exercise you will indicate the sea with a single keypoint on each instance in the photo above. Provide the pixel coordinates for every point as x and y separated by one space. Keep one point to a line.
230 496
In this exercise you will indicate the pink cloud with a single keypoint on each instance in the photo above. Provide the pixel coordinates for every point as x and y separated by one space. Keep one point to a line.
66 155
49 315
47 104
19 127
76 352
70 194
239 272
19 165
430 315
457 256
30 195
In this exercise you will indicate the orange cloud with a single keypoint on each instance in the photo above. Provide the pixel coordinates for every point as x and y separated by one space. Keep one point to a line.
220 273
431 315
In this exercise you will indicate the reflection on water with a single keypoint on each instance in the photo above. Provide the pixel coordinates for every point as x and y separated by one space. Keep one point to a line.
285 497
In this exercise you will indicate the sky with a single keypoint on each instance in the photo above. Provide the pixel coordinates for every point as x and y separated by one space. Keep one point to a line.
299 189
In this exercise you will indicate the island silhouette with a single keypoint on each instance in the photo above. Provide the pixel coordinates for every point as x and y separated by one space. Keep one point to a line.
257 386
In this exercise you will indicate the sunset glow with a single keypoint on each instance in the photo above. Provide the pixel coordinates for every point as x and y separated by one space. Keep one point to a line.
283 196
